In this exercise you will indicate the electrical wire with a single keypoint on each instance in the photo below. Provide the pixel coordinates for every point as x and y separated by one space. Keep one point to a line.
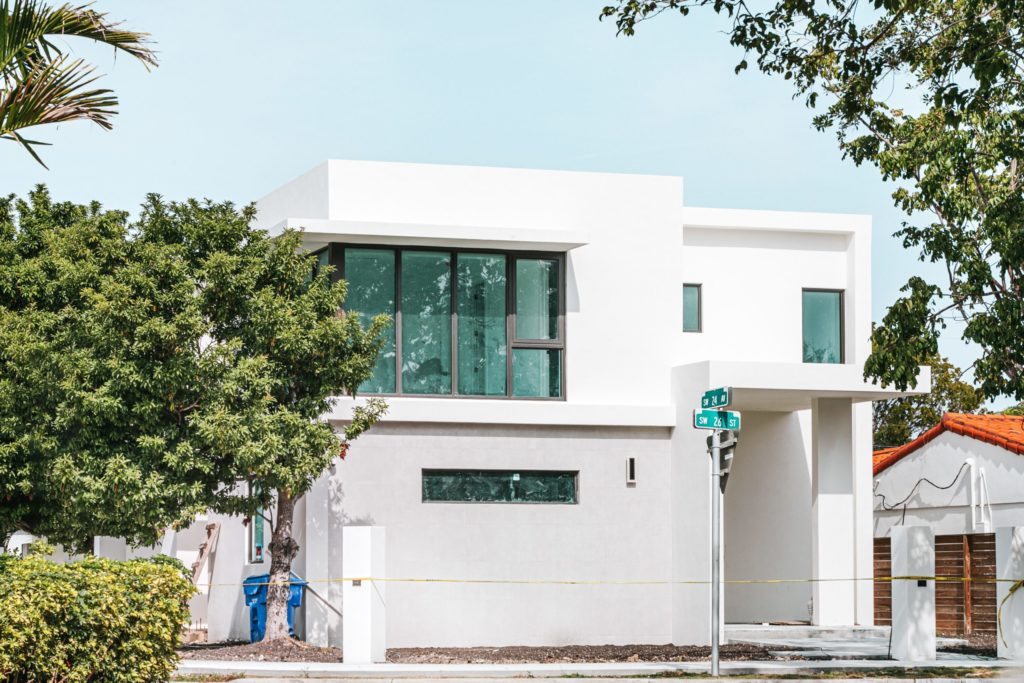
923 480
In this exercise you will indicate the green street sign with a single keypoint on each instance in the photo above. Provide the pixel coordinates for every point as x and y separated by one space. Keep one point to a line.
716 398
716 419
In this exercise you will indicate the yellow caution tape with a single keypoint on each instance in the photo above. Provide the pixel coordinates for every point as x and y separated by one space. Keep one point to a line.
1017 583
632 582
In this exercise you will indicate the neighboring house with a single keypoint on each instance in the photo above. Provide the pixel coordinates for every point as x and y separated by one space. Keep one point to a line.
963 478
553 332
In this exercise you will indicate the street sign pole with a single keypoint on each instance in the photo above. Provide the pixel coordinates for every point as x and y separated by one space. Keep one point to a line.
716 543
712 417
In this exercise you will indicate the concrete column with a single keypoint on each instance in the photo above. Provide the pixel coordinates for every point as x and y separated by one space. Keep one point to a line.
363 629
864 514
913 601
316 544
833 524
1010 569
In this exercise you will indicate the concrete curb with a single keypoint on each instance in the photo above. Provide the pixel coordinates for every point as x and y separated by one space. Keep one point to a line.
433 672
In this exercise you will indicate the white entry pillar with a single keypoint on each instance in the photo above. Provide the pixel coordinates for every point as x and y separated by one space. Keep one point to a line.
1009 570
363 599
833 527
913 600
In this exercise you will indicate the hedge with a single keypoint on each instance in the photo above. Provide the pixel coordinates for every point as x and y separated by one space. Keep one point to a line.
95 620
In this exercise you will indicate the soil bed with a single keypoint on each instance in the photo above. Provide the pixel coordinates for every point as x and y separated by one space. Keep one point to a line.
287 650
280 650
978 645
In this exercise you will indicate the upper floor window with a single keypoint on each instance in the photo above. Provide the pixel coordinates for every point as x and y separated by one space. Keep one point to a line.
467 323
823 326
691 308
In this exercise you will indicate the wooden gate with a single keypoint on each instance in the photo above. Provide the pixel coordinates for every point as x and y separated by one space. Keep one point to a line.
963 607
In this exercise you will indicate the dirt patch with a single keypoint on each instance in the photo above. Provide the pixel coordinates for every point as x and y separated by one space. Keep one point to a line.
279 650
575 654
288 650
978 646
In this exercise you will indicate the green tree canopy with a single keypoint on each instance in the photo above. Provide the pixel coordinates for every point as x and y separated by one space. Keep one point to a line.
931 93
901 420
156 368
39 83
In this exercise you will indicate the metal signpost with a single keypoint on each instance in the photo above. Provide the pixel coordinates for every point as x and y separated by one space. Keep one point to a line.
721 444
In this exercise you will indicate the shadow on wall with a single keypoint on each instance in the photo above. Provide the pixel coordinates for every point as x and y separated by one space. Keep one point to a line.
767 520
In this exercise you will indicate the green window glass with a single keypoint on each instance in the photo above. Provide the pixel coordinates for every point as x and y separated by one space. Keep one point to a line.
691 308
481 308
536 298
537 372
371 291
426 322
823 326
499 486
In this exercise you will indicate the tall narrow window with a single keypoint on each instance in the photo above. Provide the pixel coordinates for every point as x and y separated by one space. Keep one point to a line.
536 298
822 326
538 345
371 291
257 538
481 308
691 308
426 322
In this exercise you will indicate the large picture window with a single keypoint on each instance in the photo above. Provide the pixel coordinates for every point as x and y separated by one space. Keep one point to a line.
822 326
465 323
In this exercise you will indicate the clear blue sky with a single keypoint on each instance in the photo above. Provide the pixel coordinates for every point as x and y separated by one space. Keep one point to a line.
251 93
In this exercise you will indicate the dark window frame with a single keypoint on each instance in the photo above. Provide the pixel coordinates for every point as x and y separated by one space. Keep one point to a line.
700 307
454 470
336 258
842 323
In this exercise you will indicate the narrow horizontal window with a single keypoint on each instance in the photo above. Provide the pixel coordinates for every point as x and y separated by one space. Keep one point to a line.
500 486
691 308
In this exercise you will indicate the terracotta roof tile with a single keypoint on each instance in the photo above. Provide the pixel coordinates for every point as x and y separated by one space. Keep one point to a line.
1005 431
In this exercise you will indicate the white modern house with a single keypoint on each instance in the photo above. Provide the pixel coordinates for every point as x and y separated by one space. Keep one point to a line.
553 332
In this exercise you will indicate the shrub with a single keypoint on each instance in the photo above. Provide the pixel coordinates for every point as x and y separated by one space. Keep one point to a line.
95 620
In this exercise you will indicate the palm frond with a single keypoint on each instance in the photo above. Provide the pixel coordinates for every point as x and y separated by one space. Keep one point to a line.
53 92
28 26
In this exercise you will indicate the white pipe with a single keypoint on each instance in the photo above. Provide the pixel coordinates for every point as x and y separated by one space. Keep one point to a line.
973 487
986 502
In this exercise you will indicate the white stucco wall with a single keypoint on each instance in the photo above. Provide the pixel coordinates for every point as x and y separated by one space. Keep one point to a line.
616 532
768 519
949 511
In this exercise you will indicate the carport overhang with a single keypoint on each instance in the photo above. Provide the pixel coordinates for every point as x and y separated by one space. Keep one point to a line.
785 387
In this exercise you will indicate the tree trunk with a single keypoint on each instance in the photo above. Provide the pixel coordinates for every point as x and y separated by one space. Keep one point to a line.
283 549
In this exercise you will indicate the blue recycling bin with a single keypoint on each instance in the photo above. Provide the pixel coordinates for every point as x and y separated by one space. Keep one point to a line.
255 592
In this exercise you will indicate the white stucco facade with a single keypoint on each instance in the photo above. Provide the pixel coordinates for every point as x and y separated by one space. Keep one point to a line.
799 504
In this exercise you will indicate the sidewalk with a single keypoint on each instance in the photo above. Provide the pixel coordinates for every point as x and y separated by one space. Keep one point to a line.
262 670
